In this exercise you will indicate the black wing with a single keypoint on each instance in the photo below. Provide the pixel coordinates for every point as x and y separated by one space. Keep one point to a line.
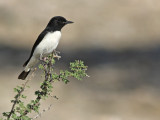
39 39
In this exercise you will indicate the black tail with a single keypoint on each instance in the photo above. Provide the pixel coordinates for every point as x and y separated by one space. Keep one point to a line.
26 62
23 75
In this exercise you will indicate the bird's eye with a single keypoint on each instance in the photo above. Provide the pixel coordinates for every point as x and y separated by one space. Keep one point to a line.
58 21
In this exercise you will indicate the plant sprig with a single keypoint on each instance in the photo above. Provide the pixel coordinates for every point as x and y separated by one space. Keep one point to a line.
20 110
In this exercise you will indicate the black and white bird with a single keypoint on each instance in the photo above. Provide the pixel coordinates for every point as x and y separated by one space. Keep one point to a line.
45 44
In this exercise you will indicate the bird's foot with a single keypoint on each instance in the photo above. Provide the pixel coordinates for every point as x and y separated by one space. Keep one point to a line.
55 54
41 58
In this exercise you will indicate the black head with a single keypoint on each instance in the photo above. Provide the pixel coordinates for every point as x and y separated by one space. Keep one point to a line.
57 22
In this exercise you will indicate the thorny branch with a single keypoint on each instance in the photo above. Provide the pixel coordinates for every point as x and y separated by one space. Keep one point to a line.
44 90
44 110
17 97
20 111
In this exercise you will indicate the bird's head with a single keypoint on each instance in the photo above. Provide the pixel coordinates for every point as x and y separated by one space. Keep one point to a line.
58 22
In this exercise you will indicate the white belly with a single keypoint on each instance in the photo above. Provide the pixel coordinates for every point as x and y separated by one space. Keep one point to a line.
48 44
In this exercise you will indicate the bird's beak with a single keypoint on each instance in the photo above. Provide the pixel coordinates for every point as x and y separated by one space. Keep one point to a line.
68 22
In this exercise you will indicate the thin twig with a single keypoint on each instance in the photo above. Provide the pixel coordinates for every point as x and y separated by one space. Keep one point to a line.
16 100
44 110
53 96
19 94
47 71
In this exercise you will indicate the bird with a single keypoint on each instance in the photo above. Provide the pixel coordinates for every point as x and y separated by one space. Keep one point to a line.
45 44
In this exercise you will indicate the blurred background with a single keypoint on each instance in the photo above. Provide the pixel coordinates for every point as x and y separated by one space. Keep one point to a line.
119 40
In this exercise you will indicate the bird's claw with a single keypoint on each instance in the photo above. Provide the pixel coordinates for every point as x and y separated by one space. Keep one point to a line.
41 58
55 54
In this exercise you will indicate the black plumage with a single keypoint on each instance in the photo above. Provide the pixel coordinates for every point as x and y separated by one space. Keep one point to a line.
54 25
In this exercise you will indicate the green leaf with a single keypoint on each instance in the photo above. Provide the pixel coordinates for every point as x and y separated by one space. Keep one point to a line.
25 118
14 116
40 66
15 90
12 101
6 114
52 61
23 96
21 104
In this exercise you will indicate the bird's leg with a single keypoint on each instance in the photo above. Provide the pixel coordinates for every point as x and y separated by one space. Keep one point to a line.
41 57
55 54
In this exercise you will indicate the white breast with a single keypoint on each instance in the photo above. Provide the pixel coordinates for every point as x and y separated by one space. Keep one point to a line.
48 44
